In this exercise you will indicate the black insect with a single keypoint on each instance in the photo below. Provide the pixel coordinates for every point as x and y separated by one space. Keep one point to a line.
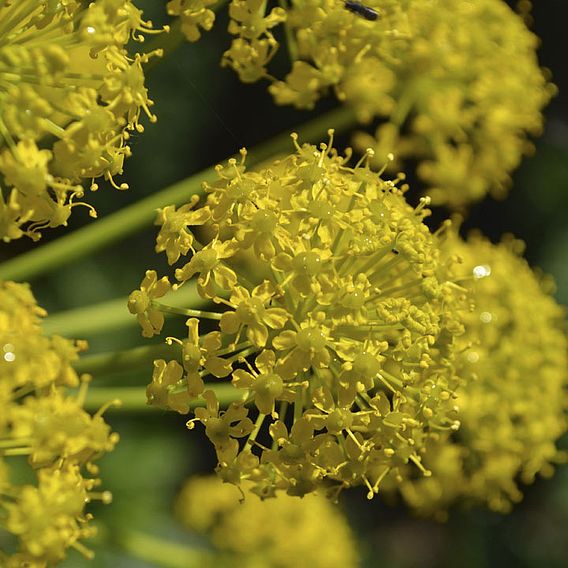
361 10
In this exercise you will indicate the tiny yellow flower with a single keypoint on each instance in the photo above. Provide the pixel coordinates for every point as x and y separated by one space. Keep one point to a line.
160 394
223 427
175 237
267 385
255 45
251 312
140 303
201 352
213 273
194 14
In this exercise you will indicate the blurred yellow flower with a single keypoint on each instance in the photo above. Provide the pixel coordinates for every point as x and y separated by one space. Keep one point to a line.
194 14
278 533
513 408
41 421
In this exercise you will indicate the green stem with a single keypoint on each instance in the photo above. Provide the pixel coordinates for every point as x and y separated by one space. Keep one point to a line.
256 429
134 398
17 451
128 220
129 360
163 552
187 312
291 43
111 315
14 443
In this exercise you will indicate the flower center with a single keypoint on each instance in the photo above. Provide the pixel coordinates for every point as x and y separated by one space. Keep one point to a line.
217 430
353 300
206 259
264 221
241 190
338 420
366 365
307 263
251 311
320 210
269 384
310 339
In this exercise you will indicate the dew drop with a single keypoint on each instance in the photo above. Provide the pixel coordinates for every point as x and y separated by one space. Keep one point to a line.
473 357
481 271
9 357
485 317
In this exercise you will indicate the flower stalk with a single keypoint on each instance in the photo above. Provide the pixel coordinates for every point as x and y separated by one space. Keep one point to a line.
134 398
116 362
162 552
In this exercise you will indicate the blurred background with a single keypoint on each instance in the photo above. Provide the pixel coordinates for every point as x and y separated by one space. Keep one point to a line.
204 115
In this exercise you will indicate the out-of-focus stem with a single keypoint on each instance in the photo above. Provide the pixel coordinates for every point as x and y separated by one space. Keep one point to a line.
112 315
163 552
122 361
134 398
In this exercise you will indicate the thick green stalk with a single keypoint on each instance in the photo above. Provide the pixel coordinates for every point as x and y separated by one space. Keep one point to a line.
134 398
163 552
101 233
128 360
128 220
111 315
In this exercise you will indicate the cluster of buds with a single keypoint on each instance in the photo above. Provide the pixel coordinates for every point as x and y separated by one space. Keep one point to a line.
338 325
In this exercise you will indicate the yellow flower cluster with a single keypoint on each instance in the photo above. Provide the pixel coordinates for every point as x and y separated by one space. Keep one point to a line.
276 533
455 83
513 411
340 336
49 427
70 95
